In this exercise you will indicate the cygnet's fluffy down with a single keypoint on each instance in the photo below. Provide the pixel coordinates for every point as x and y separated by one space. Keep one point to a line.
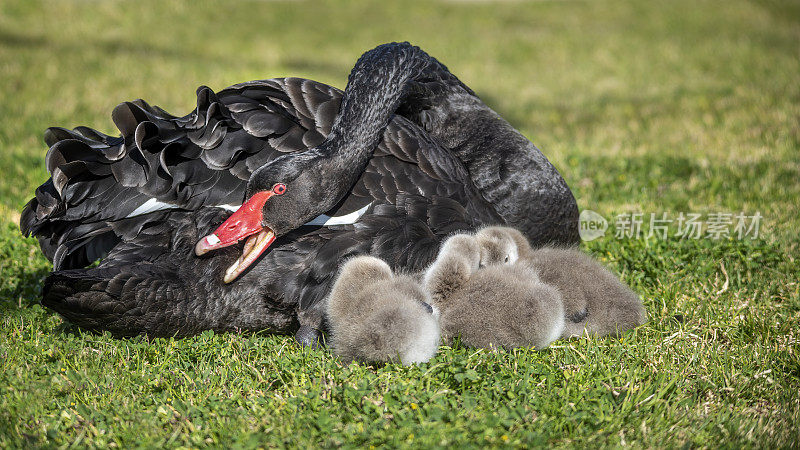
488 299
377 316
595 300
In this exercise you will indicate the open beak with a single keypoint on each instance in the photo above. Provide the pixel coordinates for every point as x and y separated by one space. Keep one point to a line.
244 223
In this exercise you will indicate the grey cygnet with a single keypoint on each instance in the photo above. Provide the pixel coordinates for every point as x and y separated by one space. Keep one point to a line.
488 299
376 316
595 300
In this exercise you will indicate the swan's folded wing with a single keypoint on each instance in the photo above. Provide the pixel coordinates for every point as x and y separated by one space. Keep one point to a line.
165 162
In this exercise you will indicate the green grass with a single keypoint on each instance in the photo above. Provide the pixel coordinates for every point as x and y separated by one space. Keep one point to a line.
647 107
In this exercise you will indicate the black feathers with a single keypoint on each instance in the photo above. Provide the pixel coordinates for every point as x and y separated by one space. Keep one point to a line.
200 159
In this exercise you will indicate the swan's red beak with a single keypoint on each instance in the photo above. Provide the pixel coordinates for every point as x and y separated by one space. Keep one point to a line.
244 223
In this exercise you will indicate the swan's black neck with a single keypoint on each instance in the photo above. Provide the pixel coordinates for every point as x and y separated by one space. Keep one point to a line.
376 87
378 84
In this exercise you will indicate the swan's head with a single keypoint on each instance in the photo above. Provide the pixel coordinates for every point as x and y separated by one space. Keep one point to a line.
281 196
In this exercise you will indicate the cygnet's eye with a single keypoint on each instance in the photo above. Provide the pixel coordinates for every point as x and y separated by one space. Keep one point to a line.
427 307
506 258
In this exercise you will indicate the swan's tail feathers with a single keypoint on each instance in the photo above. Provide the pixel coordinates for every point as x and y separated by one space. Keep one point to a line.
86 301
152 299
160 161
123 303
149 284
71 244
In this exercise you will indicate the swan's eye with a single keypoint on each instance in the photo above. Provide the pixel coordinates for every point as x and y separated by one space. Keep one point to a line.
279 188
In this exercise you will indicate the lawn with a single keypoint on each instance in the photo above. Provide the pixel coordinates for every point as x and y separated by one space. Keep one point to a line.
645 107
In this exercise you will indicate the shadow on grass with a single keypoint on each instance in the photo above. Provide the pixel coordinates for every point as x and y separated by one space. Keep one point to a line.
11 39
22 269
68 331
144 50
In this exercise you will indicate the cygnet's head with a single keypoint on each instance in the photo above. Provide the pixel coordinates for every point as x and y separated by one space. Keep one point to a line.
352 290
463 247
462 255
501 245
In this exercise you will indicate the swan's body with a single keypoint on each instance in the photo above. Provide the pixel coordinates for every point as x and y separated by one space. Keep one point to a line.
377 316
451 164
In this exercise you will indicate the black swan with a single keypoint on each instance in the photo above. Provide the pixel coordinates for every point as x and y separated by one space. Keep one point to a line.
375 315
412 156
